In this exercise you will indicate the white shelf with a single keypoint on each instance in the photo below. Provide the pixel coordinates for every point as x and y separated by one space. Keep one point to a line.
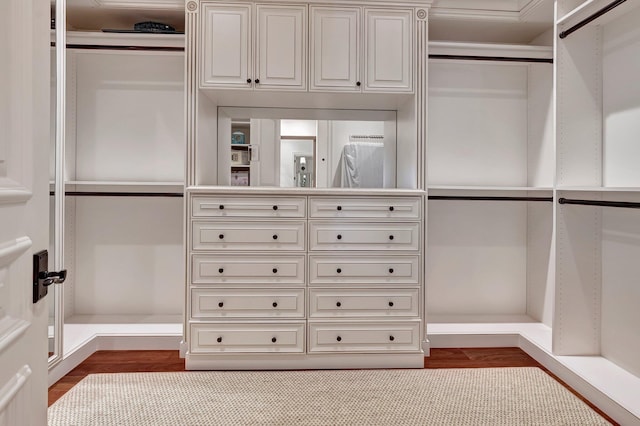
121 186
603 189
486 190
99 38
490 50
590 7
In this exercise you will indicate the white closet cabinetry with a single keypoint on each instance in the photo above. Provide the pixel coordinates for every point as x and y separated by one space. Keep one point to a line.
231 33
345 52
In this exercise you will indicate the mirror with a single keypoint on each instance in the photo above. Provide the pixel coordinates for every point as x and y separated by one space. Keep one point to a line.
308 148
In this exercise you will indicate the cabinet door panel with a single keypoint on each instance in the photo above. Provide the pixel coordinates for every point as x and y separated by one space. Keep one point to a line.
389 50
281 44
226 48
335 48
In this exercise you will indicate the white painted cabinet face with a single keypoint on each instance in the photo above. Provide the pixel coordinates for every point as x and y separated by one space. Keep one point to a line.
279 60
389 50
335 48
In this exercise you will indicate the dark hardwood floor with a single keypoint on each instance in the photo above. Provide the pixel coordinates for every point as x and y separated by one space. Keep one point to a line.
159 361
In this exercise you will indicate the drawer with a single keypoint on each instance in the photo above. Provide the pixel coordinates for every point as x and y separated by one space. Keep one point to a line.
365 208
254 236
353 269
363 236
239 207
331 303
251 303
247 338
364 337
247 269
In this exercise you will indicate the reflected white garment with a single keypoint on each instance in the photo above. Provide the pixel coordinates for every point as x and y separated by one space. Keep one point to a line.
362 165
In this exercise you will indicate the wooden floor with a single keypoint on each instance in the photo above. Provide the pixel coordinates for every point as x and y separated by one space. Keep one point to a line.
159 361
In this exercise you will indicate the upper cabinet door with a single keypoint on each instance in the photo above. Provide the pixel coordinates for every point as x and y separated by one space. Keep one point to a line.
226 45
281 47
335 48
389 50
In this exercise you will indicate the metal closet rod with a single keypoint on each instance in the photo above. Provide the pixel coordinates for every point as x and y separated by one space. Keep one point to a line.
119 194
622 204
491 58
109 47
487 198
591 18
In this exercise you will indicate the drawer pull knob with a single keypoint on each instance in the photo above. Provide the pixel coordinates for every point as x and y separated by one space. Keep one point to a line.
391 208
219 339
275 237
273 340
257 81
339 338
249 80
220 304
391 304
339 208
339 270
390 237
338 304
221 270
391 338
391 270
275 304
275 207
339 237
275 270
358 83
221 207
221 236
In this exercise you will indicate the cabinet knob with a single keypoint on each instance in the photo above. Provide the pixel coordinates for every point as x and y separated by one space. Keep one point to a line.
339 237
275 207
221 236
219 339
358 83
339 208
339 338
338 304
275 237
221 207
391 304
391 208
257 81
274 304
391 338
391 270
390 237
339 270
273 340
249 80
275 270
221 270
220 304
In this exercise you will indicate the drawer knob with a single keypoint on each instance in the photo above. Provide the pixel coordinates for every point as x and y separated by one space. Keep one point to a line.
358 83
275 270
339 208
275 207
220 304
391 208
257 81
391 304
221 270
390 237
339 270
391 338
338 304
221 236
221 207
391 270
275 304
339 338
273 340
248 80
339 237
275 237
219 339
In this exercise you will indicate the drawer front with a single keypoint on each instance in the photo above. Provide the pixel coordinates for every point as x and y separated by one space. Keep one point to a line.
239 207
331 303
364 337
365 208
253 236
247 269
364 236
229 303
368 270
247 338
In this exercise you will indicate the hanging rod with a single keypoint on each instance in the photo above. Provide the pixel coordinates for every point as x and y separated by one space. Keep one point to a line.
487 198
119 194
591 18
491 58
623 204
110 47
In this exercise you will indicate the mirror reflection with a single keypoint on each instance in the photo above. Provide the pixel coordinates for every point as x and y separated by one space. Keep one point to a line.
306 148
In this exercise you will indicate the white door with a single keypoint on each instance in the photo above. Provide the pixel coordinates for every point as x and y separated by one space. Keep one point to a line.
389 50
281 47
226 45
335 48
24 207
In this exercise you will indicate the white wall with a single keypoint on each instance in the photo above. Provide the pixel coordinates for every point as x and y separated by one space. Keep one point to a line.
288 149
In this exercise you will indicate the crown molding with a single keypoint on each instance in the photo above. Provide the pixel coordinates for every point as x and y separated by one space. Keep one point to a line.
490 10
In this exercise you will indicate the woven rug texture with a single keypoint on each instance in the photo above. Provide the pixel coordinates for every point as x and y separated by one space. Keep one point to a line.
486 396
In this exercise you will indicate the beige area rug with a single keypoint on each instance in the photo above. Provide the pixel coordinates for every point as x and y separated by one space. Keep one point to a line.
488 396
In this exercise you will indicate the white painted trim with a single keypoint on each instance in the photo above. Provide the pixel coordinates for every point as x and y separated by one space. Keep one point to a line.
494 10
124 39
10 330
490 49
16 195
142 4
13 386
256 190
11 250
